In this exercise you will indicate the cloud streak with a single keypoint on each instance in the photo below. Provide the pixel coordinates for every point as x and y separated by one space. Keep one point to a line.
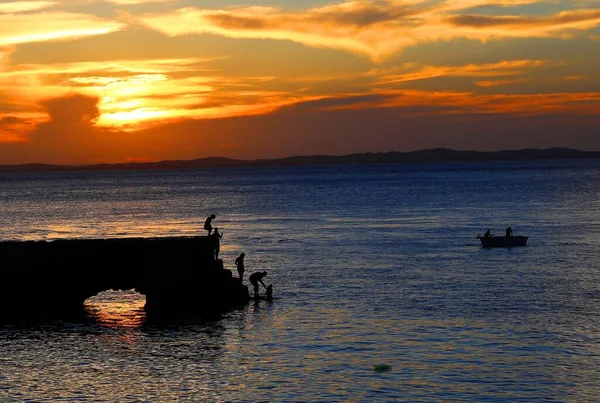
130 2
499 69
581 19
51 26
23 6
373 28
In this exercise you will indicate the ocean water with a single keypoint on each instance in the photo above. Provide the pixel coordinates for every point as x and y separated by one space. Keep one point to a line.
370 265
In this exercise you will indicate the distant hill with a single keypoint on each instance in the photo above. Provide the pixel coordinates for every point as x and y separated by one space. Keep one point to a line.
394 157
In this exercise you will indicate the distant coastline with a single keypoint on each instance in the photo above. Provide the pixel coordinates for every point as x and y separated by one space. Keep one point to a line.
394 157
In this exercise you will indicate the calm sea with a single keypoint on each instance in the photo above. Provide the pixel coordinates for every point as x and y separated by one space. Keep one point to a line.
370 265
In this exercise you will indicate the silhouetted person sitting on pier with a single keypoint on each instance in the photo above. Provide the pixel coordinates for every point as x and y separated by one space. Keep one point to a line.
487 234
509 232
216 237
239 262
256 278
207 223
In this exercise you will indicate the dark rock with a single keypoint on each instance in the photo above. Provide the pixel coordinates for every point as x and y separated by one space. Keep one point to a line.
175 274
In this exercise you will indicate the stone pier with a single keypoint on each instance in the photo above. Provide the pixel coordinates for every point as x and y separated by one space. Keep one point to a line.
176 274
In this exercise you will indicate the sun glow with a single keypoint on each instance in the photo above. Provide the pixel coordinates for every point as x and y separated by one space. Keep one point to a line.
130 117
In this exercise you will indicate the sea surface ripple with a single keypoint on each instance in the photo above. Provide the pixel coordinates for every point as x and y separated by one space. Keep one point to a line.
370 265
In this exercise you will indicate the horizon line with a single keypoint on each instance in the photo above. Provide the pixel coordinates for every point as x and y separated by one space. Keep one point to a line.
306 156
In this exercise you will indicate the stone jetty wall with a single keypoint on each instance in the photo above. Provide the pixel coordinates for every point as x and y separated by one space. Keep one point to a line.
175 274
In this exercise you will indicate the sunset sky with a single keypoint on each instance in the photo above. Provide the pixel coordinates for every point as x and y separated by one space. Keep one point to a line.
85 81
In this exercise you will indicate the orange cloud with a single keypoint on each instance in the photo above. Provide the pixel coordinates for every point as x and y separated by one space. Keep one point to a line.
74 110
373 28
134 93
12 129
69 134
504 68
496 83
436 103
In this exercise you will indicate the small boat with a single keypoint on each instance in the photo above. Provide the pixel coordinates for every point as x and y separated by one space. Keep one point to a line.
502 241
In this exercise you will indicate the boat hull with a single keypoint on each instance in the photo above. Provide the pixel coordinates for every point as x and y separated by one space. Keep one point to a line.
503 242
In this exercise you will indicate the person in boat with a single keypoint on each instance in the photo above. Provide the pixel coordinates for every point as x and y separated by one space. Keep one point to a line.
208 223
256 278
509 232
239 262
487 234
216 238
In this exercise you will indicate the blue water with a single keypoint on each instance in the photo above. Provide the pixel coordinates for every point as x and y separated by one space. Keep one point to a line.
370 265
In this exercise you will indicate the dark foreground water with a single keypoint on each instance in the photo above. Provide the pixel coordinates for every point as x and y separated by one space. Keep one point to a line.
370 265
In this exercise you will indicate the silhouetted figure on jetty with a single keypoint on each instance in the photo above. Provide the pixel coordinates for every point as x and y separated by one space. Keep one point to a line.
239 262
269 293
216 236
256 278
208 223
509 232
487 234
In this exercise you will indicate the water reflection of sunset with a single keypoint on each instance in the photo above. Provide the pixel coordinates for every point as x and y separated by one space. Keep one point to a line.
117 309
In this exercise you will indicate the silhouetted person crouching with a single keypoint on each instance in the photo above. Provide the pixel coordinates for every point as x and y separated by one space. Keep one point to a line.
256 278
208 223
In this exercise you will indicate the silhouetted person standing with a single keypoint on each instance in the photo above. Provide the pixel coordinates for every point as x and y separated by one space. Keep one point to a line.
216 238
239 262
207 223
509 232
256 278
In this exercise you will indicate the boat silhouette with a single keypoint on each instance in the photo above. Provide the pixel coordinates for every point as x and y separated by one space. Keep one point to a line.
502 241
